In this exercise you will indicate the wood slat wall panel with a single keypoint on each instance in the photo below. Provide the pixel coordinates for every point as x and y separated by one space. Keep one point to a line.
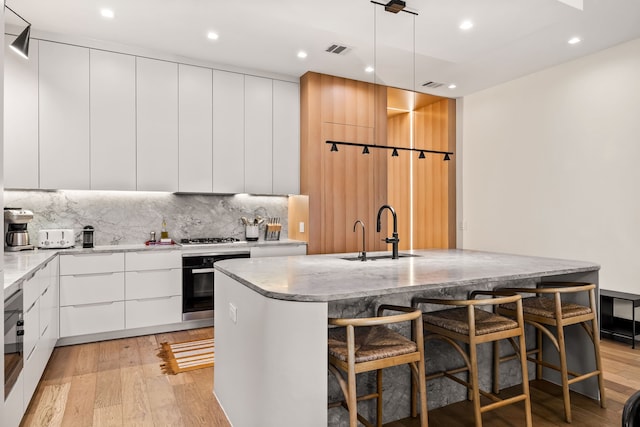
399 175
431 179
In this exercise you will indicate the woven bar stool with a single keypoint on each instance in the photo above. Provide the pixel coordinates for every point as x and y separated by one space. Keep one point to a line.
468 324
366 344
547 311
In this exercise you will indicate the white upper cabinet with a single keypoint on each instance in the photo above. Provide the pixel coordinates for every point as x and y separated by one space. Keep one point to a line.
20 117
195 129
286 137
113 121
64 116
228 132
157 125
258 134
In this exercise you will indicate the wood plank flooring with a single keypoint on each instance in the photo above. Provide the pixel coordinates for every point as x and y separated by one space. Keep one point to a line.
119 383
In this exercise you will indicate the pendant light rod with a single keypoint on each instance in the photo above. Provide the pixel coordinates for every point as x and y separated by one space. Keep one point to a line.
15 13
387 147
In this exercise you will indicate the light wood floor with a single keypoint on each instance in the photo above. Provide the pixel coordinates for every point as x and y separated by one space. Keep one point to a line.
119 383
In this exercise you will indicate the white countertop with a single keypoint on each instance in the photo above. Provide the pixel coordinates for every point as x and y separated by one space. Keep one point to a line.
331 278
21 265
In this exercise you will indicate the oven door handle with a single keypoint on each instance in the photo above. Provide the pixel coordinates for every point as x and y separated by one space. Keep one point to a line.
202 270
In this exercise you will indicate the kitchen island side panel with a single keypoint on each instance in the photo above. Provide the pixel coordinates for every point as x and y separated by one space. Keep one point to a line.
271 362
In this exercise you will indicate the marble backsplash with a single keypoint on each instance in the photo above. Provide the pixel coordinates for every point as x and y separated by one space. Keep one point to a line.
129 217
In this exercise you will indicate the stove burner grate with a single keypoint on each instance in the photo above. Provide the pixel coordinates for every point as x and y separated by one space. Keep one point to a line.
208 240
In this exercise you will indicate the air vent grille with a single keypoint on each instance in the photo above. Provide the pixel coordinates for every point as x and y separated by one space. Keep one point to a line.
432 85
337 49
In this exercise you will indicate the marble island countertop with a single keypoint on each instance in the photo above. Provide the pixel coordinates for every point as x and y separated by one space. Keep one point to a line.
21 265
331 278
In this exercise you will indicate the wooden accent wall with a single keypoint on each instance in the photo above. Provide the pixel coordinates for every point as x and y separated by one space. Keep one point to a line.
344 186
434 206
399 175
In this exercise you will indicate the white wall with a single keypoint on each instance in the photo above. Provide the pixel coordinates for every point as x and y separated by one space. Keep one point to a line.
551 165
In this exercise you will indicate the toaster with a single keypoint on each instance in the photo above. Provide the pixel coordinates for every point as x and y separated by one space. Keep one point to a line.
56 238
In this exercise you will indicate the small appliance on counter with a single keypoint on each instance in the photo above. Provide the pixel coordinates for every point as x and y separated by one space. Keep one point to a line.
56 238
15 229
87 236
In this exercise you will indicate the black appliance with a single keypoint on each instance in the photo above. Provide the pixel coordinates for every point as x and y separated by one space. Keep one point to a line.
13 335
198 283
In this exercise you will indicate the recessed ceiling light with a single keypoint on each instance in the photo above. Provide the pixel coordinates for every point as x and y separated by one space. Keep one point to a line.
369 69
452 86
212 36
302 54
465 25
107 13
574 40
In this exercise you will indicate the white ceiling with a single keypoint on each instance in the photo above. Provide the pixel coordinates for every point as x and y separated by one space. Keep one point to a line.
510 38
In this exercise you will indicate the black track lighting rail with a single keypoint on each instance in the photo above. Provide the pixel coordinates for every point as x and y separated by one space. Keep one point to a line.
367 147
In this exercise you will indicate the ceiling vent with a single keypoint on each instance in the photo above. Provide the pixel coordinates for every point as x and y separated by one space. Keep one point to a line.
337 49
432 85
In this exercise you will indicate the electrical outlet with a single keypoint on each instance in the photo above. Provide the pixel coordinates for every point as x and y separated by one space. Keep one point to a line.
233 313
301 226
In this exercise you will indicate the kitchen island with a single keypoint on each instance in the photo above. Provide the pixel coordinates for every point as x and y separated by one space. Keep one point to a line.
271 326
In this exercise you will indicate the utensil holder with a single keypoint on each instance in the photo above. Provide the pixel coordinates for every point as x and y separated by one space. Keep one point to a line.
251 232
272 232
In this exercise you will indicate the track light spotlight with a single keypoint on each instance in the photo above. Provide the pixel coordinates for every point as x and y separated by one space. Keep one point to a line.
365 150
446 157
21 44
394 153
421 156
334 147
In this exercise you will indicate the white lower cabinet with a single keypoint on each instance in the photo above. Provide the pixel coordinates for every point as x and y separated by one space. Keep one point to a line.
40 326
153 311
91 293
14 404
153 293
91 318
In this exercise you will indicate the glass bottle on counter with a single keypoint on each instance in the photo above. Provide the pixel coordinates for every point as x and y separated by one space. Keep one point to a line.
164 234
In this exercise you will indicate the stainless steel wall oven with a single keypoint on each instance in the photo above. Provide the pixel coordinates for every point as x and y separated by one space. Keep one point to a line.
13 334
198 282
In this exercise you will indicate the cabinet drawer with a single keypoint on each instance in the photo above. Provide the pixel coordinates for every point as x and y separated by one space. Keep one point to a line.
155 311
284 250
153 283
31 327
89 289
153 260
31 374
91 263
14 404
47 305
91 318
30 290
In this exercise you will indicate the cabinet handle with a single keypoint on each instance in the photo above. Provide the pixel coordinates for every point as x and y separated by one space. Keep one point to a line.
45 331
93 304
154 299
32 305
152 271
45 291
110 273
31 352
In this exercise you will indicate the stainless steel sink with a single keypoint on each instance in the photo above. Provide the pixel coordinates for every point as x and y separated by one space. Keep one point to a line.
377 257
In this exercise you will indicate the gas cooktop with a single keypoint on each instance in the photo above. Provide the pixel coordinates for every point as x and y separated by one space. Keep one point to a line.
208 240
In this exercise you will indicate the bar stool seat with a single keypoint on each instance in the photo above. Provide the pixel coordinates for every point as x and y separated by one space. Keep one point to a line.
371 343
466 322
366 344
547 312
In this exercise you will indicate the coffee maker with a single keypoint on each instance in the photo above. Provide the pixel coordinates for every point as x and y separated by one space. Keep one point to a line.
15 228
